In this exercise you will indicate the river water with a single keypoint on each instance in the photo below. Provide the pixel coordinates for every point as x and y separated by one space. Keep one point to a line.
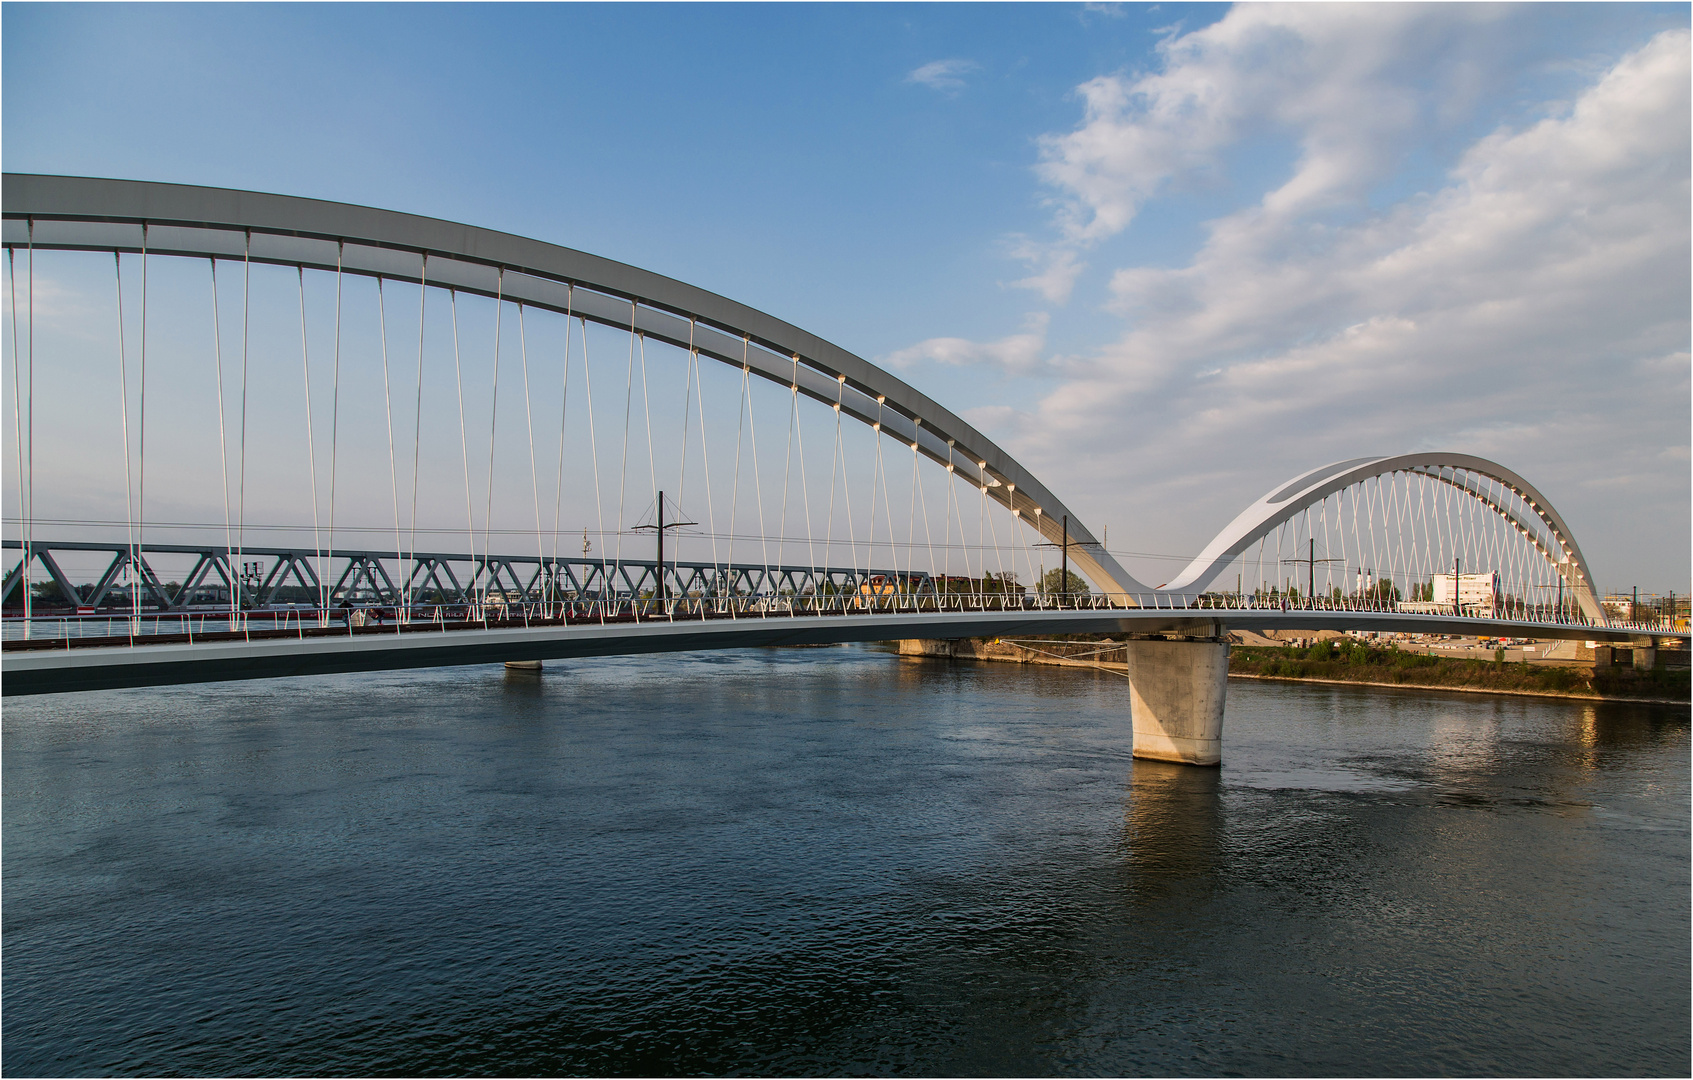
836 861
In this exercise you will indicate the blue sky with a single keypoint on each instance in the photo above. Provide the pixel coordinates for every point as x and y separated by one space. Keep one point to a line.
1051 217
777 154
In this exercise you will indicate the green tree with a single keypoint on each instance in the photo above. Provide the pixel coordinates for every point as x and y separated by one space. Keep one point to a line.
1053 583
46 592
1384 591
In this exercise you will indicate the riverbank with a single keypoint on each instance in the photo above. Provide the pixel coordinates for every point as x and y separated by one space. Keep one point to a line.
1351 662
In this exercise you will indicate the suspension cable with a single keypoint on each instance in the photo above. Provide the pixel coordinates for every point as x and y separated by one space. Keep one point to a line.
981 528
388 416
563 414
951 503
311 456
757 483
493 427
875 479
652 466
705 464
223 452
417 433
594 450
916 491
28 530
688 360
647 415
846 476
804 485
464 443
1028 552
529 419
735 485
1258 584
246 310
687 413
17 406
1328 568
887 506
128 481
787 460
993 531
628 406
141 439
834 466
335 420
1357 493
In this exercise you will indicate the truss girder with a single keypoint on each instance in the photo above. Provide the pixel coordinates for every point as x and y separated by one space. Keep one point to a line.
44 556
429 576
145 580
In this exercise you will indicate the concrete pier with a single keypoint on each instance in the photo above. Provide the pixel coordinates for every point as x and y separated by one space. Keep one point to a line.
1645 653
1177 687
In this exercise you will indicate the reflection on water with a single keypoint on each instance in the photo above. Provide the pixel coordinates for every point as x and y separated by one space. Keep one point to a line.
526 683
836 860
1172 824
1465 743
1617 724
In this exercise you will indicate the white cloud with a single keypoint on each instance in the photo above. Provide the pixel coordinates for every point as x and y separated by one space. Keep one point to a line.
1015 354
54 306
946 76
1056 267
1334 75
1533 309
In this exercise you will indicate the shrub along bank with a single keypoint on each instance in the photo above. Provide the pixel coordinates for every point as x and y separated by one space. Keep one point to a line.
1359 661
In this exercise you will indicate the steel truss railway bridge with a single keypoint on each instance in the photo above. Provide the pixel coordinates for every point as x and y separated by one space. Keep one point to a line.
336 371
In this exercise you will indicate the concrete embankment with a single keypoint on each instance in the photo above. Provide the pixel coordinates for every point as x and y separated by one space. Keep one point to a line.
1093 654
1354 664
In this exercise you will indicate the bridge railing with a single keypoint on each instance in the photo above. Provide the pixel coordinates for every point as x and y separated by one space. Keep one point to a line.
208 623
120 627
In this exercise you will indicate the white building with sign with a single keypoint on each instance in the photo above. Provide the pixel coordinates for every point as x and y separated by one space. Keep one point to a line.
1477 594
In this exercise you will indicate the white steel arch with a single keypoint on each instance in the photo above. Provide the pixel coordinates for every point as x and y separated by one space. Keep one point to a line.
93 214
1531 514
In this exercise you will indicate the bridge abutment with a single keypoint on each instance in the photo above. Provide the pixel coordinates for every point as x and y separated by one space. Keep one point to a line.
1177 688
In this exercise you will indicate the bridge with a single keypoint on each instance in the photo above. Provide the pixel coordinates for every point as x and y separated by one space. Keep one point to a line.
358 376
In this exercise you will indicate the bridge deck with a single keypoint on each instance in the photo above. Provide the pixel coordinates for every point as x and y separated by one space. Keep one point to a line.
63 666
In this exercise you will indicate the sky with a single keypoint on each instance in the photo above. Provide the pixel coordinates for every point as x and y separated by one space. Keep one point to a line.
1167 255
